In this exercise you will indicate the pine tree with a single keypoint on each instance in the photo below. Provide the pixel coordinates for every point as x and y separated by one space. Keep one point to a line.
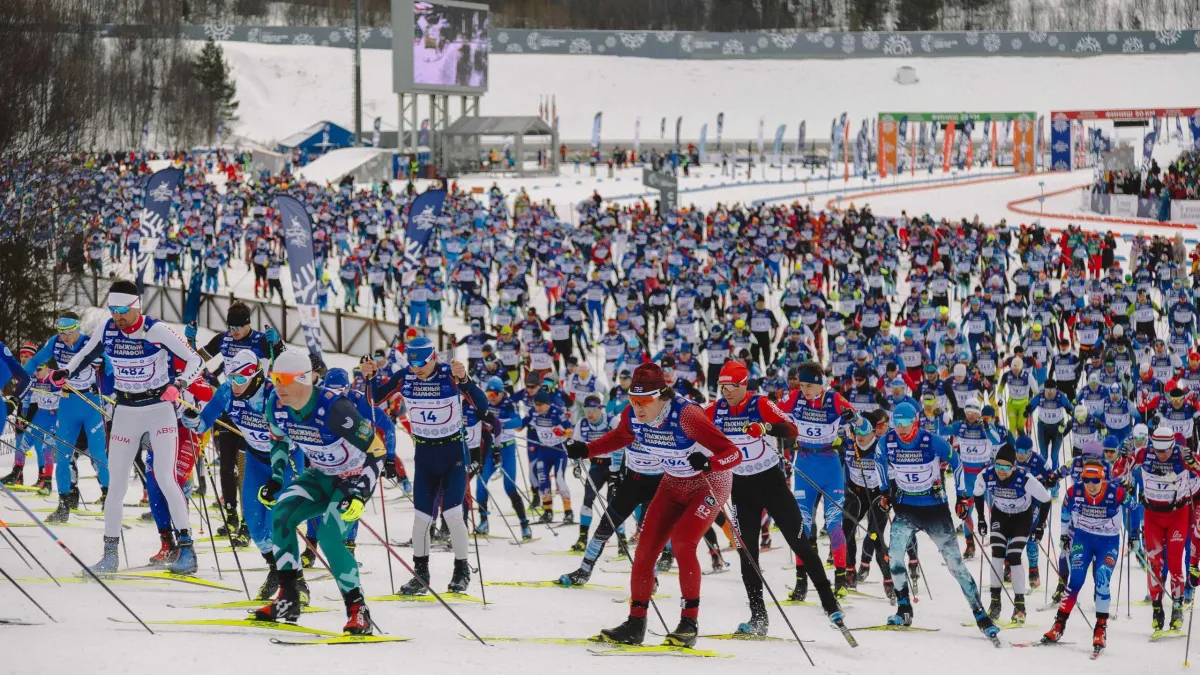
211 70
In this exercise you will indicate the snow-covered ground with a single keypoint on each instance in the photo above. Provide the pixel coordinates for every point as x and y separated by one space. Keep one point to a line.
284 88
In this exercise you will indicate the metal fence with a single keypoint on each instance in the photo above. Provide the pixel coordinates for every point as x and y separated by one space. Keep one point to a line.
341 332
743 46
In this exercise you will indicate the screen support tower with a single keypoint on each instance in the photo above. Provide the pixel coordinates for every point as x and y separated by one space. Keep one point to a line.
438 107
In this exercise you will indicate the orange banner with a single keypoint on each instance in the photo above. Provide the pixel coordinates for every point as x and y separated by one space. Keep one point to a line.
948 146
888 129
1023 145
995 145
970 152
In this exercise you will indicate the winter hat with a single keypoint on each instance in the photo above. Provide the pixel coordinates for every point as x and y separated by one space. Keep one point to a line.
733 372
292 362
1007 453
243 363
1024 443
592 401
648 380
542 397
904 415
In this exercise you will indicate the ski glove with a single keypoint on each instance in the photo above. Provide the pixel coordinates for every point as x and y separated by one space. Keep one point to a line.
272 335
172 392
757 430
962 507
576 449
59 377
267 494
189 331
1065 541
885 502
351 508
700 462
474 469
190 419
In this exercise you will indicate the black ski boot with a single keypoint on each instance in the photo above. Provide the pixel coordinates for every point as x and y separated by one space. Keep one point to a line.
14 477
1176 615
309 557
231 523
969 552
270 585
864 570
851 578
577 578
904 611
632 632
718 561
568 517
800 591
1157 617
302 589
665 561
241 538
994 608
73 497
1035 578
889 589
1059 591
63 513
414 586
285 608
1018 615
461 579
914 570
685 633
840 588
580 544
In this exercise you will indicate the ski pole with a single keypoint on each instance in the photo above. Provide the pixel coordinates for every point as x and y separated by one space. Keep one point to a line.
74 557
424 583
499 510
228 533
27 595
620 543
1120 570
737 537
478 560
14 549
1058 573
510 478
212 540
383 508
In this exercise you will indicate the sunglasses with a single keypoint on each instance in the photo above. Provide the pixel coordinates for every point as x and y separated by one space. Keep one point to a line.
1092 481
119 309
1004 467
67 327
284 379
240 379
643 399
590 408
232 326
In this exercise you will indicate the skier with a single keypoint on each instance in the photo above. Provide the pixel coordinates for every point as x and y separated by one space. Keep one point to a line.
346 458
1166 474
1091 531
147 384
74 415
819 413
1012 491
754 423
601 470
433 393
862 501
697 458
910 465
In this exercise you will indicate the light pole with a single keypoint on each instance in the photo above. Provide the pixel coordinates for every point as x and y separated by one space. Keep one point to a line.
357 72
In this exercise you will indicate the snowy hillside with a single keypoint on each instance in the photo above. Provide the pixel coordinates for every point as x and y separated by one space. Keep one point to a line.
285 88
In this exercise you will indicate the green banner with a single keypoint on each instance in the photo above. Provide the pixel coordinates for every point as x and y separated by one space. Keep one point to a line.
953 116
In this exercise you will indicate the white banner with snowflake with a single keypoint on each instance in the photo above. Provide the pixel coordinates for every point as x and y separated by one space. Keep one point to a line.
741 46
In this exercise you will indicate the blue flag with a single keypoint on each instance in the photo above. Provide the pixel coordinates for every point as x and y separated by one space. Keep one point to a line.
422 221
800 140
1148 149
156 211
297 237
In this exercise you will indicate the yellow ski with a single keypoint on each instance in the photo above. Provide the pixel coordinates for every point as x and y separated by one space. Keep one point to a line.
182 578
551 584
343 640
448 597
238 623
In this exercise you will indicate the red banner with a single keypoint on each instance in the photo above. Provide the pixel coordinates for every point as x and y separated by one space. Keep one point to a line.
1125 114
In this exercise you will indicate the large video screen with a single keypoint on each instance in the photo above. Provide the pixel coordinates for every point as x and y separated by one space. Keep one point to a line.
449 48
